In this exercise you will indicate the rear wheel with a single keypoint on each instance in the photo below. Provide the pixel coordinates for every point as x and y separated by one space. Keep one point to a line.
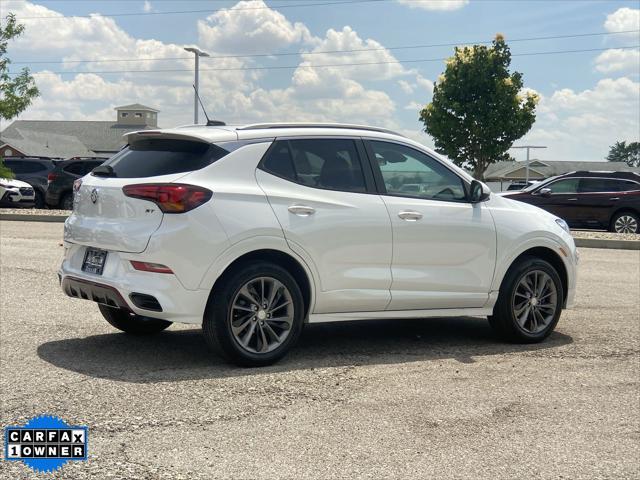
66 203
625 222
131 323
39 200
529 303
256 315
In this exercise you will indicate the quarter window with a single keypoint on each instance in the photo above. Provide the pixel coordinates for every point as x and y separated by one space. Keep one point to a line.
331 164
410 173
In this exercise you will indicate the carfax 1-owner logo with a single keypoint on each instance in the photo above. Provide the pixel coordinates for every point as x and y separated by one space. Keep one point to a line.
45 443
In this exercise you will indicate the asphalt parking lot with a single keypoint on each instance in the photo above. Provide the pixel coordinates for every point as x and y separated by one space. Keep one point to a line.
437 398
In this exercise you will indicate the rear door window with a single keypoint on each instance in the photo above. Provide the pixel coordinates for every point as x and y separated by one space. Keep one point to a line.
328 163
596 185
154 157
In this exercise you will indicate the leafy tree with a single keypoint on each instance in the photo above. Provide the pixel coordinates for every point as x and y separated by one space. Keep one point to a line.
623 152
15 94
479 109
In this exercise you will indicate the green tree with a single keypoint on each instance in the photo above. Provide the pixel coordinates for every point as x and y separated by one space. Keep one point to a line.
479 109
623 152
15 94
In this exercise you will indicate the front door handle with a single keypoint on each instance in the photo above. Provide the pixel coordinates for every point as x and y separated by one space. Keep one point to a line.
410 215
302 210
572 199
614 199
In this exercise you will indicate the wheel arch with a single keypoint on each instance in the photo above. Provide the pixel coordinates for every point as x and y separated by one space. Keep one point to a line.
551 256
278 257
622 209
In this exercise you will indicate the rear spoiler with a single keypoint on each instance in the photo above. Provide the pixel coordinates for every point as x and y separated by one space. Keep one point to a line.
220 136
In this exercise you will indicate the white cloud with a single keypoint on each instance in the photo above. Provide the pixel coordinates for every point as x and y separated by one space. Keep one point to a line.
147 7
247 24
581 125
405 86
624 19
618 60
435 4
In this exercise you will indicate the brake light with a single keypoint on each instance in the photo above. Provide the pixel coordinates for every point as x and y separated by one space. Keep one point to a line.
76 185
170 197
150 267
51 177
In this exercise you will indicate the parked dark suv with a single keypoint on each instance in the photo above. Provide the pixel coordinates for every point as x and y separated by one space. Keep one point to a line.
603 200
34 171
60 191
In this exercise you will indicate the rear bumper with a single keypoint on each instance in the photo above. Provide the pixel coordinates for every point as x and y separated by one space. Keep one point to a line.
122 286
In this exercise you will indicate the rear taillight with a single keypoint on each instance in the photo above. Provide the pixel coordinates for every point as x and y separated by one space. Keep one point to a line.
170 197
51 177
76 185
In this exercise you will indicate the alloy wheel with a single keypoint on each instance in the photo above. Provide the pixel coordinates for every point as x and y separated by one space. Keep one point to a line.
262 315
626 224
535 301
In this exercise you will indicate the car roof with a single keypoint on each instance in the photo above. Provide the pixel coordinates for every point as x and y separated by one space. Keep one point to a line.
602 174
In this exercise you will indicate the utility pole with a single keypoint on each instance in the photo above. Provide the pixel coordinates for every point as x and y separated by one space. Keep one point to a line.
528 147
197 53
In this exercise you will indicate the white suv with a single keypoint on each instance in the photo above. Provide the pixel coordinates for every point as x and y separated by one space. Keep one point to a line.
252 231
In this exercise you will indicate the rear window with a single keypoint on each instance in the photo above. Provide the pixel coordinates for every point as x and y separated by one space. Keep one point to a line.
154 157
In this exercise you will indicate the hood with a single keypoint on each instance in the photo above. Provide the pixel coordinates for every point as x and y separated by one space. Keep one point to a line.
510 202
13 183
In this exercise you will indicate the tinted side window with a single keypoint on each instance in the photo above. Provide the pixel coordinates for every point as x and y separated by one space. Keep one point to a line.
75 168
595 185
16 167
153 157
411 173
332 164
569 185
627 185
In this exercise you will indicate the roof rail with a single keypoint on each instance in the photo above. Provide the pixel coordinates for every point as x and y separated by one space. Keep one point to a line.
345 126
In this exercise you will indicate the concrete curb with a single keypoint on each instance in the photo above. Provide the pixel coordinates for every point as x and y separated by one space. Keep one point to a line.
606 243
580 242
21 217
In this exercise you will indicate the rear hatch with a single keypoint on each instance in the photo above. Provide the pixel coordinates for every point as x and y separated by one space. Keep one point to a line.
104 217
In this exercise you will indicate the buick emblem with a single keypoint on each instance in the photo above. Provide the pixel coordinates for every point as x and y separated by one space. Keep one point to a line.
94 195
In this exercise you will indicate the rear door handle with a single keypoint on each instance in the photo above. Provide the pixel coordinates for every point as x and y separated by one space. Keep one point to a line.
302 210
410 215
572 199
614 199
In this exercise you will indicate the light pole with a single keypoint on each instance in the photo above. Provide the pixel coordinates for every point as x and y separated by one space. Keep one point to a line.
528 147
197 53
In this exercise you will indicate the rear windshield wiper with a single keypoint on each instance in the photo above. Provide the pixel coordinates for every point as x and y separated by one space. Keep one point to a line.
103 171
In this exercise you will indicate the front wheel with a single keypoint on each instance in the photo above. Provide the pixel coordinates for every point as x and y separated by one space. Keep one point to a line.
255 316
529 303
131 323
625 222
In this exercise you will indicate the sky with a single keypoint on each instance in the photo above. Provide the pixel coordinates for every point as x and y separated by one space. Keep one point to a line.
588 99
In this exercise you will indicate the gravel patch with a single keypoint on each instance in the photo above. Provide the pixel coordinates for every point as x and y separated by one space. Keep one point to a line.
34 211
604 235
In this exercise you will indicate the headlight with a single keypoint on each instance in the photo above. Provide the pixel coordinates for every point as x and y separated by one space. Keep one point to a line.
563 225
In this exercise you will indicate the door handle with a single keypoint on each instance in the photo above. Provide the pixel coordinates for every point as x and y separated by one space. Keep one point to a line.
572 199
301 210
614 199
410 215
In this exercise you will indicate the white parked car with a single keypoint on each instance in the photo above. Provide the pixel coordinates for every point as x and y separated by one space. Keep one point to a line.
16 194
252 231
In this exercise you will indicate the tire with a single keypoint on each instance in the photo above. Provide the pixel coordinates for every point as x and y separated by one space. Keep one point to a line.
66 202
232 330
39 201
625 222
512 303
132 323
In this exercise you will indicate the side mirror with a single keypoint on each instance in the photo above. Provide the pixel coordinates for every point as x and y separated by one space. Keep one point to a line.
545 192
478 192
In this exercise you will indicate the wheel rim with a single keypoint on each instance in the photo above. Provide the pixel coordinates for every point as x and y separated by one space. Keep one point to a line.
261 315
626 224
535 301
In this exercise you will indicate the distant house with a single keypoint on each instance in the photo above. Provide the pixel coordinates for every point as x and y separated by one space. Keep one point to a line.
501 174
64 139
